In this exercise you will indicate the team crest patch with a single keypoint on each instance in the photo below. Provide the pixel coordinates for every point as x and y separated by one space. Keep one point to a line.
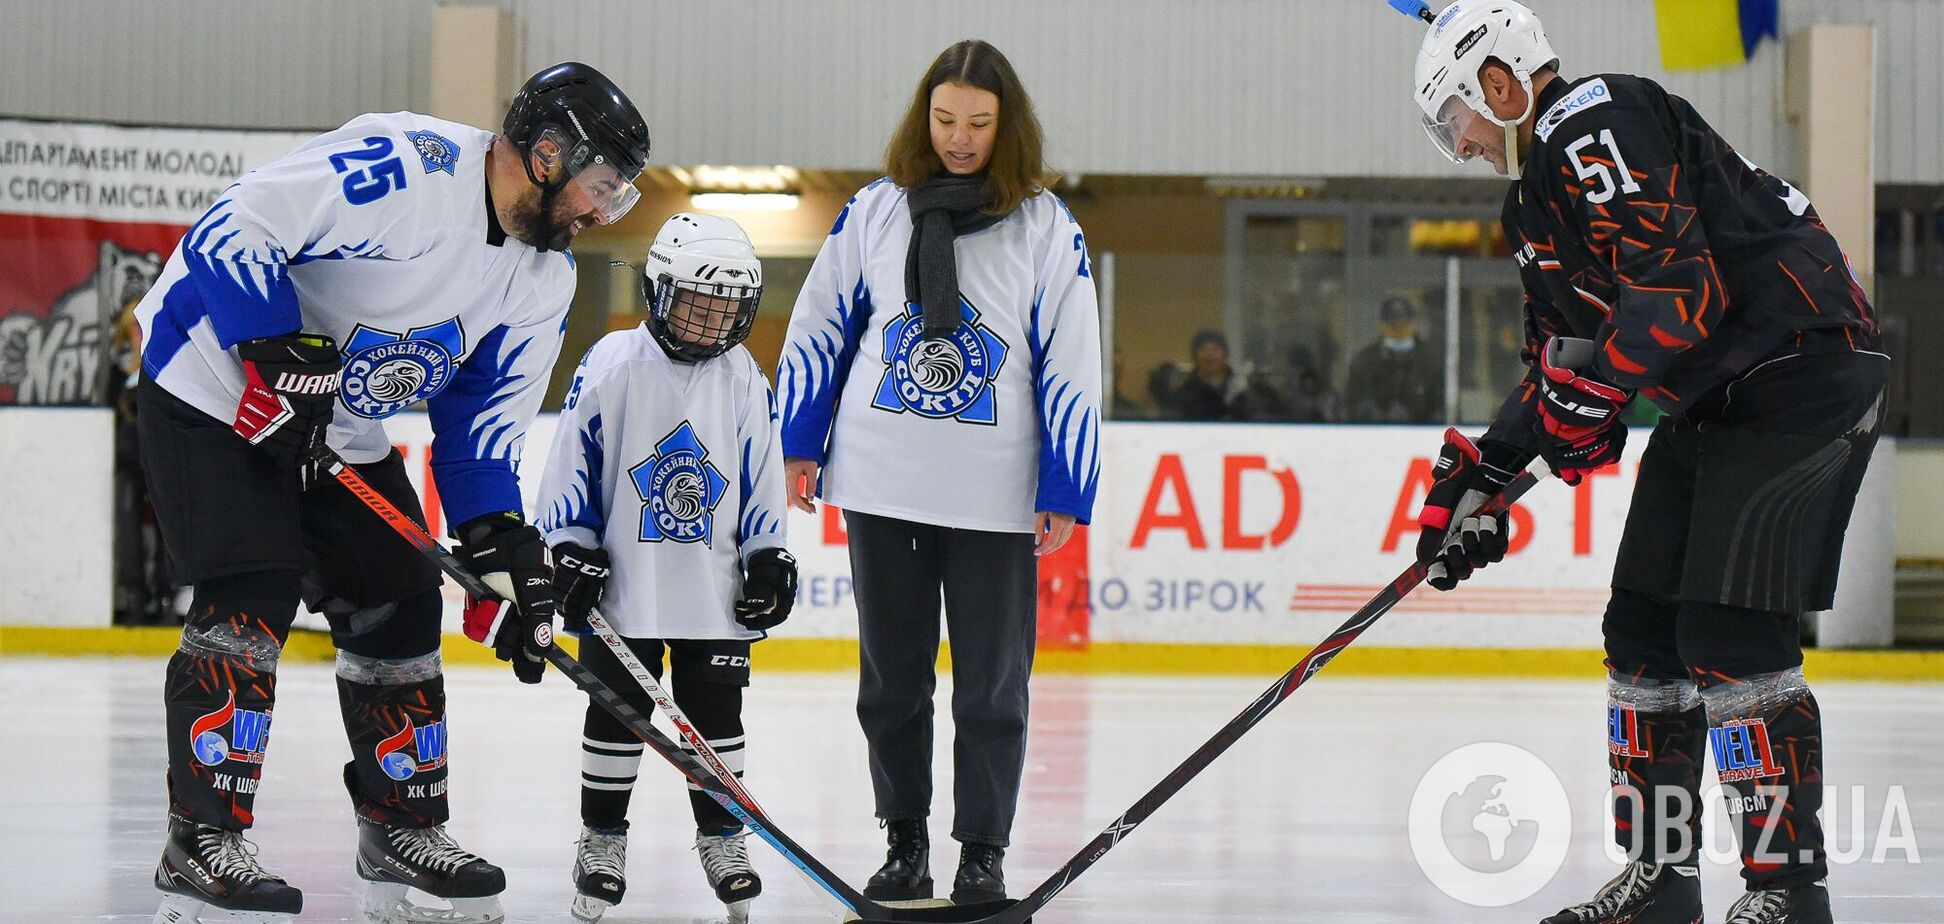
413 750
386 372
941 377
249 732
436 151
679 489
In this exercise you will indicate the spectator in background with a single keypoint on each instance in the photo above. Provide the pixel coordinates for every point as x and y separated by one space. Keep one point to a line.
1398 378
1122 406
1211 387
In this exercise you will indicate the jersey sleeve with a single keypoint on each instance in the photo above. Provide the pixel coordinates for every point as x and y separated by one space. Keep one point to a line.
1065 333
331 198
832 310
1517 422
760 523
480 420
1619 183
572 505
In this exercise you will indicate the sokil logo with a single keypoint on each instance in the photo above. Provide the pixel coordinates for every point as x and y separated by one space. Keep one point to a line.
941 377
679 489
428 750
386 372
249 733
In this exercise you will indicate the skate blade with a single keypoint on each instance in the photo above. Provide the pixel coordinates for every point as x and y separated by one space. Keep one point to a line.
181 909
391 903
739 912
588 909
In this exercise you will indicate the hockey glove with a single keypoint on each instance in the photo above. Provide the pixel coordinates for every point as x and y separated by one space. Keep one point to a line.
579 576
290 388
768 590
1454 538
511 558
1580 414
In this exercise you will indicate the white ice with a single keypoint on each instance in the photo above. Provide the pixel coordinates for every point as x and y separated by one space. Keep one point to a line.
1304 820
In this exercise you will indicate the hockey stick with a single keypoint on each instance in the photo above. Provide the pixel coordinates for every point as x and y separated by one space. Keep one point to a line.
603 695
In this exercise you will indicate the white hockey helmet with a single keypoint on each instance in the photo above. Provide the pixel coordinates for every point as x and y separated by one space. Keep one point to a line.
701 286
1461 39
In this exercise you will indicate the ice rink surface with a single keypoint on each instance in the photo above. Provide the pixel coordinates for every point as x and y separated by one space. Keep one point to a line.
1305 820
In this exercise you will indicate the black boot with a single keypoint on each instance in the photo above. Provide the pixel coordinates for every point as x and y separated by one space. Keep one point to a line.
980 878
204 865
1643 893
1801 905
906 874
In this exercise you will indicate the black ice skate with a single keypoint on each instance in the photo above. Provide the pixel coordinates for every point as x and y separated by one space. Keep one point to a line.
205 866
980 877
1801 905
725 861
600 873
392 859
1643 893
906 874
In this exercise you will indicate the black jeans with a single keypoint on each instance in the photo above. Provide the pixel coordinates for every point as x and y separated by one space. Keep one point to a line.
990 595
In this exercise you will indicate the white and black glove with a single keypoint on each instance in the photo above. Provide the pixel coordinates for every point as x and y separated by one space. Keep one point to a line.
290 389
510 557
1455 539
768 590
580 574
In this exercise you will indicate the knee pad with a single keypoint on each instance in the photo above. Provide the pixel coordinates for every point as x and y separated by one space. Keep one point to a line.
397 631
244 618
1641 641
1725 643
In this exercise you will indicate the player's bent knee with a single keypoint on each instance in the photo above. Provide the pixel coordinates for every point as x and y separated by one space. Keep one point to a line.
242 617
1641 640
1723 643
397 631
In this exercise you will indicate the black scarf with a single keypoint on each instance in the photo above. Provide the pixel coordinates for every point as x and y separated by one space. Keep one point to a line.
942 208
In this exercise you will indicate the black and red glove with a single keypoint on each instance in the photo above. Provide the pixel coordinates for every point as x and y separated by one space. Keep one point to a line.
1455 538
580 574
1580 414
518 622
290 389
768 590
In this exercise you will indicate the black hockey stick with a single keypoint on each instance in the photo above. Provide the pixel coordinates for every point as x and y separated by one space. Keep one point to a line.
1237 727
867 910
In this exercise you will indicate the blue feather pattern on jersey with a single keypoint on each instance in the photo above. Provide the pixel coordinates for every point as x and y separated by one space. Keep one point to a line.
1069 470
813 374
247 293
584 507
474 449
757 519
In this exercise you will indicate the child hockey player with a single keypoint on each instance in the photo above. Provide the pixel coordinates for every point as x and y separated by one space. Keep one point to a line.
665 474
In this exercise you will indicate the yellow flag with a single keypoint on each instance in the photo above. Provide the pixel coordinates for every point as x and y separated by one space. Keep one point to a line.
1696 35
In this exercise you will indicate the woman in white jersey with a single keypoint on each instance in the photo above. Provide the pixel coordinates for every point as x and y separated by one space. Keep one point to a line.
941 384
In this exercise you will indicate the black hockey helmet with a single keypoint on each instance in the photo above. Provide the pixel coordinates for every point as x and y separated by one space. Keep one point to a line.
591 120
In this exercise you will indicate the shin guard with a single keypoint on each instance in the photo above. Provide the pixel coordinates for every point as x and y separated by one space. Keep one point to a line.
1656 739
219 693
1766 734
394 716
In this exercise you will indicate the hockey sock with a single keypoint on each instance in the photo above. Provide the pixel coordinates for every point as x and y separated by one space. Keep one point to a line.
1656 735
1766 733
219 692
394 715
610 758
716 711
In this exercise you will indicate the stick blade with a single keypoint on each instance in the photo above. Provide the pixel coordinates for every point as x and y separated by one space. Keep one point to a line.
943 914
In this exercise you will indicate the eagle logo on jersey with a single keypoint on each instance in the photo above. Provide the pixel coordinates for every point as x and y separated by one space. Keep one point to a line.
249 732
428 750
436 151
385 372
941 377
679 489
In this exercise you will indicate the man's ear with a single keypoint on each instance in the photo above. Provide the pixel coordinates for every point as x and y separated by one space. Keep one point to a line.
545 154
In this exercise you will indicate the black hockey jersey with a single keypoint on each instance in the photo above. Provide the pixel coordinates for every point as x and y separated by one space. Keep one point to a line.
1639 227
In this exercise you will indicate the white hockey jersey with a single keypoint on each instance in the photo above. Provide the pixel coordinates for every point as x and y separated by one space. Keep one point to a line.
375 234
673 468
977 430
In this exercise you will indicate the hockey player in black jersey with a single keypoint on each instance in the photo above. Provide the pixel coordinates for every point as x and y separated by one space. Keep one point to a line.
1710 288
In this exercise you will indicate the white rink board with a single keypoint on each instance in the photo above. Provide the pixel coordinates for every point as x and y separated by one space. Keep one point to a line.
56 485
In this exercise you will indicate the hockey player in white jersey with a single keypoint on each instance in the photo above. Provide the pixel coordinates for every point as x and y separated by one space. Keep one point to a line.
395 260
663 502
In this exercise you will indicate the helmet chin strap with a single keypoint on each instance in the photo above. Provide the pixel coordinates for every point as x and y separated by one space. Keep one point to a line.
1512 165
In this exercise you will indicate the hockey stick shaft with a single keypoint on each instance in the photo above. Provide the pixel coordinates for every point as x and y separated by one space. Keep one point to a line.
1319 656
606 698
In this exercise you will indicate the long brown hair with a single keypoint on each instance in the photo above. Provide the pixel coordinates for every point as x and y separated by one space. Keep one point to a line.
1017 168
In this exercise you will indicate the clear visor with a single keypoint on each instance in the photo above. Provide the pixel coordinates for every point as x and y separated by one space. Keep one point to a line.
1447 131
706 318
607 191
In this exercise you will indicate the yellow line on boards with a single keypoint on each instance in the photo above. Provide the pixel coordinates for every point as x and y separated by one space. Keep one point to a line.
839 654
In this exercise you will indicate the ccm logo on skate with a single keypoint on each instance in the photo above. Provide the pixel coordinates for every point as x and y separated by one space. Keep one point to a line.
249 733
428 750
728 661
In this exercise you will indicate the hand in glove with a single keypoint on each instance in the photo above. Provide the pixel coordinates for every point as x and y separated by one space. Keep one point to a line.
511 558
768 590
1455 539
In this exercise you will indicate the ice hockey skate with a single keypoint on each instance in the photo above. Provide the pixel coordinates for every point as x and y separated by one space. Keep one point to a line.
394 860
600 873
725 861
211 870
